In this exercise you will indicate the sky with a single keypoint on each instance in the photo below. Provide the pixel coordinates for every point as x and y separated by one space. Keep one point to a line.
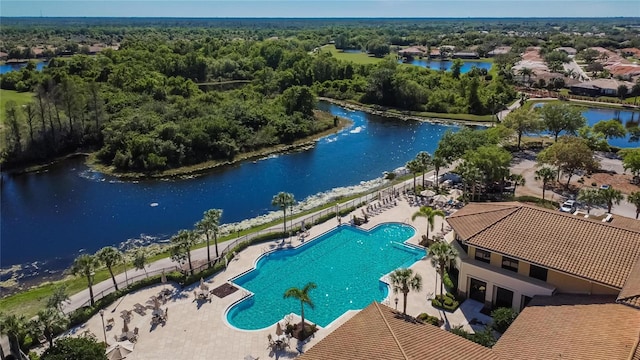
315 8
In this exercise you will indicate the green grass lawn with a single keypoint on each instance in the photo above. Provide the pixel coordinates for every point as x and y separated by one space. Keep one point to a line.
8 95
358 58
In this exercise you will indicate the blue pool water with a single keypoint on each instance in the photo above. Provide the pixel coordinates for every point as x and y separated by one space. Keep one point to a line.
346 264
446 65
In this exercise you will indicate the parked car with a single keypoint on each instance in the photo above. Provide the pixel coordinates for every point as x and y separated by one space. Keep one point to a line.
569 206
604 186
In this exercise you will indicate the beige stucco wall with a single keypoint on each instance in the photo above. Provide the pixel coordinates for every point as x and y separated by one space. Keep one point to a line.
523 268
573 285
506 279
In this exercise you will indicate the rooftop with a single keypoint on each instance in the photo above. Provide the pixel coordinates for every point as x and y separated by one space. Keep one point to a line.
379 332
601 252
572 327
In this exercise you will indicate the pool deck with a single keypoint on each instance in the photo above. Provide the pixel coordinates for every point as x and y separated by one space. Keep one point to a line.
198 330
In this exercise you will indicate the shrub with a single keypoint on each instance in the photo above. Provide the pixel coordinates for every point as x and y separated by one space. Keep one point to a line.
447 302
483 337
433 320
448 283
502 318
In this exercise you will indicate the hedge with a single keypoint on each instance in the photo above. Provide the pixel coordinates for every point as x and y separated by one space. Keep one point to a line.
447 302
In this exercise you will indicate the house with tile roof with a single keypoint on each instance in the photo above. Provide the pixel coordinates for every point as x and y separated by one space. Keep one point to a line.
380 333
515 251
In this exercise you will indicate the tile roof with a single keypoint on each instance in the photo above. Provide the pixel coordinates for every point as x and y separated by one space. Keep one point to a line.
379 332
630 294
572 327
601 252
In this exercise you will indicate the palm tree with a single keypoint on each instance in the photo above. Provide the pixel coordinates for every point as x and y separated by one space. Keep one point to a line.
86 265
110 256
442 254
438 163
430 214
526 74
209 223
49 322
518 180
58 297
414 168
471 175
590 197
424 159
546 174
14 326
140 261
403 280
611 196
303 296
634 198
182 243
283 200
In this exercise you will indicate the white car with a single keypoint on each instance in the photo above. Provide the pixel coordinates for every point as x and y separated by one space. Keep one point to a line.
569 206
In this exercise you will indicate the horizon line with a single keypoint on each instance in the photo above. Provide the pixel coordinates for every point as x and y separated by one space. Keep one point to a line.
326 17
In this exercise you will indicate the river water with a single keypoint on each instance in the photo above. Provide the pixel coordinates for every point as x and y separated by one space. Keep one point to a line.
49 217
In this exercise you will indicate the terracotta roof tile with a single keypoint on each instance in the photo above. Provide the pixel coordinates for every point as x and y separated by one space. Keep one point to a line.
378 332
572 327
630 294
597 251
467 223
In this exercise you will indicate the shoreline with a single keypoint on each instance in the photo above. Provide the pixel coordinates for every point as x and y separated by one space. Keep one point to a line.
192 170
389 114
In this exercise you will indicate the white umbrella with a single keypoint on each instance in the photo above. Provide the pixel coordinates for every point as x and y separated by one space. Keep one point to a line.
456 193
427 193
119 350
440 198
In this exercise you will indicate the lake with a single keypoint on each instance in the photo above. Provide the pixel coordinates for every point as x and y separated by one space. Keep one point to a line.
49 217
628 118
446 65
8 67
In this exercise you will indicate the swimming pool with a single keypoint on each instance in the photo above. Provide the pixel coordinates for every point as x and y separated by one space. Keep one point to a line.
346 264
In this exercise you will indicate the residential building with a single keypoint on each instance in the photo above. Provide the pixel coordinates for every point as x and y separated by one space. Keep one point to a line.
599 87
379 333
413 51
465 55
500 50
569 50
514 252
634 52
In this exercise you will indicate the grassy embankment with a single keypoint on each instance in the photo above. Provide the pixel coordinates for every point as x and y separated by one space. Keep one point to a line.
529 104
20 98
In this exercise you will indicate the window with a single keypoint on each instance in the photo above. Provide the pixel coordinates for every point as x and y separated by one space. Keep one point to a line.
504 298
538 272
524 302
484 256
509 264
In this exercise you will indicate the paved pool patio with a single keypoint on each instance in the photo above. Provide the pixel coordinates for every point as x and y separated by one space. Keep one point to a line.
198 329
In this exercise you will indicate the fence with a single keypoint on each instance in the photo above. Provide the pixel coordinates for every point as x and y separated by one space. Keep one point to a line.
379 193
